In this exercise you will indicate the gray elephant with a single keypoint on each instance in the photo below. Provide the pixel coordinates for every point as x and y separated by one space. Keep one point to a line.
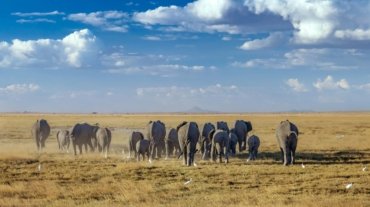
172 142
220 145
134 138
287 137
156 134
188 137
223 126
241 129
233 140
142 148
63 140
204 141
83 134
40 132
253 145
104 138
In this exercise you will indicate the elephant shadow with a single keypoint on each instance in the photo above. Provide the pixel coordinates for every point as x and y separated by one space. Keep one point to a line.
316 157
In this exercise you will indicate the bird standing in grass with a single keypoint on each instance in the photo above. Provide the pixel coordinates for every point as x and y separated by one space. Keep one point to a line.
303 166
39 167
188 182
348 186
364 169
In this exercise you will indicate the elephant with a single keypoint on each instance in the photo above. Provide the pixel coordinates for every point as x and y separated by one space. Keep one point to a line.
156 134
63 140
83 134
233 140
104 138
142 148
204 141
220 145
172 142
241 129
253 145
40 131
223 126
134 138
188 138
287 137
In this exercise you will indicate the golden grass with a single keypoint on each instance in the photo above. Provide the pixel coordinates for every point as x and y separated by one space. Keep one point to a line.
334 147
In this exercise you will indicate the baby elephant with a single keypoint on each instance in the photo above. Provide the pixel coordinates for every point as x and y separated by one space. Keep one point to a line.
142 148
104 137
233 140
220 145
253 144
63 140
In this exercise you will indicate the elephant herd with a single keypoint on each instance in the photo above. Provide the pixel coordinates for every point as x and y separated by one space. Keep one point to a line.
214 142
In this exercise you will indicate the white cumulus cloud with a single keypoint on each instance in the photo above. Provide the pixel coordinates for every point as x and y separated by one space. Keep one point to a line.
357 34
107 20
20 88
312 20
74 50
330 84
295 85
263 43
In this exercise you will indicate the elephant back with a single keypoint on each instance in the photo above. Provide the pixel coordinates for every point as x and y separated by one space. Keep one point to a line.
232 137
293 128
156 130
41 127
283 130
172 135
220 136
207 128
253 141
223 126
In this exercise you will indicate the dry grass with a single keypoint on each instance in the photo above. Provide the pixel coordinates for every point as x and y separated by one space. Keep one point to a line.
334 147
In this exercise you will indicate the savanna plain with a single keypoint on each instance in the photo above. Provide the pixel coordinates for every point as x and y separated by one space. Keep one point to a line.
333 147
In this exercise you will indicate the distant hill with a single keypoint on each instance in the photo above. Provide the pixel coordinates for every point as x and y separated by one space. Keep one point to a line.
197 109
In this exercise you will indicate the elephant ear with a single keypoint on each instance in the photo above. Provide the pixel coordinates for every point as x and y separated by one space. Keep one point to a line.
249 125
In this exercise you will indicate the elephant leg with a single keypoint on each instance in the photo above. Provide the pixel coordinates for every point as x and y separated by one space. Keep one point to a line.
218 152
68 143
167 149
152 151
240 142
226 155
74 149
282 154
159 150
293 157
138 157
204 153
213 153
106 151
189 152
80 148
60 147
185 155
244 143
287 156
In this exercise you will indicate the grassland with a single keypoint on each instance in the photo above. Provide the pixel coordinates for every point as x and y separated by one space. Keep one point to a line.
334 147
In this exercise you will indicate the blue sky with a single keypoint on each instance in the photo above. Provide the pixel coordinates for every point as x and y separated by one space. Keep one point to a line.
170 56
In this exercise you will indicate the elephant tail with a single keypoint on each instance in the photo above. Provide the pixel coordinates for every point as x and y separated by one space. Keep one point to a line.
211 133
